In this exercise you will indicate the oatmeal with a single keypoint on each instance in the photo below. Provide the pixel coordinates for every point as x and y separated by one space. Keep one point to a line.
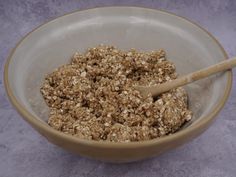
92 97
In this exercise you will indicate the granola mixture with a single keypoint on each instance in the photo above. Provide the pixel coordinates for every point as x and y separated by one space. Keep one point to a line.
93 97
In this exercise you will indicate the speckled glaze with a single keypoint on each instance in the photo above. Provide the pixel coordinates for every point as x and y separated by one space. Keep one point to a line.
212 154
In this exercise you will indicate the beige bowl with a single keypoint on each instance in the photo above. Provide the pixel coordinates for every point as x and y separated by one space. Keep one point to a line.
189 46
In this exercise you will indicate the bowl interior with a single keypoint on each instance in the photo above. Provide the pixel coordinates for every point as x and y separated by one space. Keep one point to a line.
52 45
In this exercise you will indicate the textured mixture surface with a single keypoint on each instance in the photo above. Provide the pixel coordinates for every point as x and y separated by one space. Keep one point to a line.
93 97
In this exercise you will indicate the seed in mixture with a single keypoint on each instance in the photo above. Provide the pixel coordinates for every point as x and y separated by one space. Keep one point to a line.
93 97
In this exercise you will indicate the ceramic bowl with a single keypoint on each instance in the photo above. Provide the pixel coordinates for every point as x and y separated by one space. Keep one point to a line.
52 44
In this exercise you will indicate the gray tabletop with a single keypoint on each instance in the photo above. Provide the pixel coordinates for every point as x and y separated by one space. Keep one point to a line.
23 152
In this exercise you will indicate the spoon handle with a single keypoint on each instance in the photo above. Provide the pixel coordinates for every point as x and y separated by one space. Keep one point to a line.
155 90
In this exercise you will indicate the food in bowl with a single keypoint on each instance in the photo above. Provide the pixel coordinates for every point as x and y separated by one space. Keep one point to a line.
52 44
93 97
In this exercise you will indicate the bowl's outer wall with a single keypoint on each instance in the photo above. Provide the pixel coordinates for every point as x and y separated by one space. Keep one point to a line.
187 45
122 155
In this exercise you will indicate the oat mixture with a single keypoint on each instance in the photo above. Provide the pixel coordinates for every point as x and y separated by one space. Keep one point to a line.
93 97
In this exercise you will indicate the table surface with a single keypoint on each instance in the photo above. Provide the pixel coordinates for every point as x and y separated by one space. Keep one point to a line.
25 153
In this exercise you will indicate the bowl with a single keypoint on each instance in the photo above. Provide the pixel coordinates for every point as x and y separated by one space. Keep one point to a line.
52 44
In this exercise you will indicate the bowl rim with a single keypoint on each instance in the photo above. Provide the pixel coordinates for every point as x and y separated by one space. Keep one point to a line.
26 115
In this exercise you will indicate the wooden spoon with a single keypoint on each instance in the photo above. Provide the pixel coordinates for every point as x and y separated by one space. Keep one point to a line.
156 90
